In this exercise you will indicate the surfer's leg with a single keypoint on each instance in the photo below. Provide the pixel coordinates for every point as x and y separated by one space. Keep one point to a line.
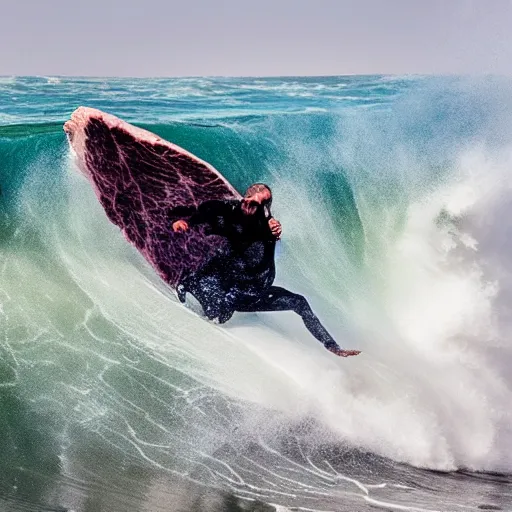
209 291
280 299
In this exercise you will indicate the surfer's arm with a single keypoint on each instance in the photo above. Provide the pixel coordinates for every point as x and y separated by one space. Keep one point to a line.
206 213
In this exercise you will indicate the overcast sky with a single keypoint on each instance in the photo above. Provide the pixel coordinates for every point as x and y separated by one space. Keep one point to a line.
256 38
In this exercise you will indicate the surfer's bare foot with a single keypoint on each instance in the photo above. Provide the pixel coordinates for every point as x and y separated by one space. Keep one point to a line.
343 353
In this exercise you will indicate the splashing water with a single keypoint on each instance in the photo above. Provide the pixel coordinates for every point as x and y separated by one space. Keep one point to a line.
394 197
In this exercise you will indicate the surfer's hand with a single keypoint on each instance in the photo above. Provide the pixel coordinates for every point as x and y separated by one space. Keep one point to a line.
179 225
343 353
275 227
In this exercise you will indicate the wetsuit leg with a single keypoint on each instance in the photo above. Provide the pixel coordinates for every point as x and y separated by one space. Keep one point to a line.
209 291
280 299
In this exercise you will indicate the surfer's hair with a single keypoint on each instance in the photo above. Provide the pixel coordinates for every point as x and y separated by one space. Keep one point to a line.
255 188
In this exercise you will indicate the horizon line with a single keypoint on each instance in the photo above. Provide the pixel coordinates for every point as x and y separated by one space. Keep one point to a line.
167 77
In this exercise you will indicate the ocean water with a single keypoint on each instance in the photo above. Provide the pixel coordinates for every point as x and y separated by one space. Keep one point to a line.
395 195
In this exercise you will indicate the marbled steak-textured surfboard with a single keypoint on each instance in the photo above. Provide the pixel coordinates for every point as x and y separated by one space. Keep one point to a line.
139 179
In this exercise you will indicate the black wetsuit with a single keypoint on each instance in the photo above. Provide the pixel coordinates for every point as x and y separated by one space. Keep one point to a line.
240 277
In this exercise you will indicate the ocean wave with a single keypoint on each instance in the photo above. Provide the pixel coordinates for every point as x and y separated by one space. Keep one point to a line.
394 227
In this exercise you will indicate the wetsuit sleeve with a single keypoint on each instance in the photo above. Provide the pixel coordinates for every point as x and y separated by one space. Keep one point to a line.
206 213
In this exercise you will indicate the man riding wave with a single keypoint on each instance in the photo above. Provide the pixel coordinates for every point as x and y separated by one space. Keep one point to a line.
240 276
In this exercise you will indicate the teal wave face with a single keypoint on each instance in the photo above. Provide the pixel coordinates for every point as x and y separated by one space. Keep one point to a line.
393 194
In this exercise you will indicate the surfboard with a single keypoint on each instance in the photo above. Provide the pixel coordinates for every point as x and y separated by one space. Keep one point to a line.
140 179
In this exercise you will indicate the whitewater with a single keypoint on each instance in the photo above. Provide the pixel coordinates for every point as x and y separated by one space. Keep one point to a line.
395 196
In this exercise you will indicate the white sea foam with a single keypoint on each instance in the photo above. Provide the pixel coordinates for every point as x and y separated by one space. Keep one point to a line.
427 389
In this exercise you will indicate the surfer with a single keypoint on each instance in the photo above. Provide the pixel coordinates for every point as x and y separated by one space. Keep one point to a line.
239 276
143 182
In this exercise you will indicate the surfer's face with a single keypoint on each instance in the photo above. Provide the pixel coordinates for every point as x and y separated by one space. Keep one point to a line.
260 200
